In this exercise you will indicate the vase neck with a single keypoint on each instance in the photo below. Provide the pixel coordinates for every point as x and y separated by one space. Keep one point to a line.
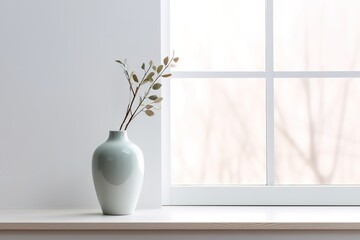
118 135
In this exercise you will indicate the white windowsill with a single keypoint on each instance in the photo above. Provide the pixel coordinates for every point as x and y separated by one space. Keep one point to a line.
186 218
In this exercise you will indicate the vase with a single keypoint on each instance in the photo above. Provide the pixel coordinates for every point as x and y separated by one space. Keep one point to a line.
118 172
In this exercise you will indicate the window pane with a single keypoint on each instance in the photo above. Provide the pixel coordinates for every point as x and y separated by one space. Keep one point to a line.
218 131
317 131
317 35
218 34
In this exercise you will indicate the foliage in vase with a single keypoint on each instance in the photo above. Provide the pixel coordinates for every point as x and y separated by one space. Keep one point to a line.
143 96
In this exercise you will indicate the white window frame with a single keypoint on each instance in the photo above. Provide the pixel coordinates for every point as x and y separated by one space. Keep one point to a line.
268 194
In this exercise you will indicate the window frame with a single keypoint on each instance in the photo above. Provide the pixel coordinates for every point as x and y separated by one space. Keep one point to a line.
269 194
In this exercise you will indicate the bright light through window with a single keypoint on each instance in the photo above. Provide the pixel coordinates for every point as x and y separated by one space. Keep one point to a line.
317 35
218 34
317 131
218 131
296 60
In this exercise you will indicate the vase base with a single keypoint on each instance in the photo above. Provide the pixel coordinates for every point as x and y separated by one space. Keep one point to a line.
116 214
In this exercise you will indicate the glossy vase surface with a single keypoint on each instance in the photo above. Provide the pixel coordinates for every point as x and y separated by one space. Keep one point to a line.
118 172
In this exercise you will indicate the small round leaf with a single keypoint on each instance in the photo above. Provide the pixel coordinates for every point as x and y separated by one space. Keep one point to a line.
166 60
153 97
149 113
135 78
159 68
166 75
158 100
157 86
150 75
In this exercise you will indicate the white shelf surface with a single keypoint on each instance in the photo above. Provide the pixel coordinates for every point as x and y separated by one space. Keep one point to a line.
185 218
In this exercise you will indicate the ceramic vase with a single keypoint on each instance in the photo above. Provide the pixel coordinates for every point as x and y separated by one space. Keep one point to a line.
118 172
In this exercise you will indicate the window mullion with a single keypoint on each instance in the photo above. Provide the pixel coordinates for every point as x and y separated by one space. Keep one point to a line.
269 69
218 74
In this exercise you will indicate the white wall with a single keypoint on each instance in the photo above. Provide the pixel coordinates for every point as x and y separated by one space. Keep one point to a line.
61 91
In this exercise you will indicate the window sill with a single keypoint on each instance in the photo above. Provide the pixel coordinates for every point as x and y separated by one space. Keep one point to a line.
185 218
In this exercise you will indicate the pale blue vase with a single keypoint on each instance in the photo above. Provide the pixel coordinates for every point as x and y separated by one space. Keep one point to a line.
118 172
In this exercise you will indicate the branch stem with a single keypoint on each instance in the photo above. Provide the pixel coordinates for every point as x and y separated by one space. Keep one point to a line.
136 112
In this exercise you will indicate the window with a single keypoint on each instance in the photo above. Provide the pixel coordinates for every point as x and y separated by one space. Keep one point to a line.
264 103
